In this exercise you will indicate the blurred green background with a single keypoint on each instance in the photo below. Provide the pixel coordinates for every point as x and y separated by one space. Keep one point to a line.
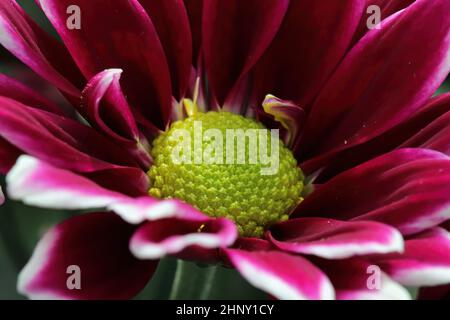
22 226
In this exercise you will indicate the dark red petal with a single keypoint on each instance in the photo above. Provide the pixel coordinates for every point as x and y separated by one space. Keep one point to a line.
235 35
97 244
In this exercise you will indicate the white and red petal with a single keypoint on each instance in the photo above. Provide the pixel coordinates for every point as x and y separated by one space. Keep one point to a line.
407 189
333 239
282 275
39 184
357 279
119 34
368 107
93 247
38 50
2 196
425 262
182 237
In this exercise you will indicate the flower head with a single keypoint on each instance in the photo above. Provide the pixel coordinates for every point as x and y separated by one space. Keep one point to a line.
361 177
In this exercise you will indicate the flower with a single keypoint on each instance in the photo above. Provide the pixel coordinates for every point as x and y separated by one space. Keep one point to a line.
354 106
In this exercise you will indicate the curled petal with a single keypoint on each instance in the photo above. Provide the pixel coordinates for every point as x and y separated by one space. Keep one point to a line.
425 262
38 50
358 104
107 27
357 279
108 109
333 239
282 275
85 257
287 113
181 237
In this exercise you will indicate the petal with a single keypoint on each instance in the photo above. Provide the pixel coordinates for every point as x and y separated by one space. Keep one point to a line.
37 183
172 24
70 145
118 34
235 35
358 102
108 110
97 244
407 189
8 156
38 50
183 237
356 279
281 275
15 90
333 239
287 113
425 262
311 41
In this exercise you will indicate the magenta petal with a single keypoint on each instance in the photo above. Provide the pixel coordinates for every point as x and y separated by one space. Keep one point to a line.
182 237
282 275
357 279
108 109
96 246
8 156
235 34
333 239
311 41
359 102
38 50
425 262
15 90
172 24
407 189
119 34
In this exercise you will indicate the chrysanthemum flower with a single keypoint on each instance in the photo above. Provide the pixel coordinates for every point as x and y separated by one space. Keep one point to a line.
364 179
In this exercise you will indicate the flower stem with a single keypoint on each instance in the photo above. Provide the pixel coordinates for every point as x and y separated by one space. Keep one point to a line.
192 282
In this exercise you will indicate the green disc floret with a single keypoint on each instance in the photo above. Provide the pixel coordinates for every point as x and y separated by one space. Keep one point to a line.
230 188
